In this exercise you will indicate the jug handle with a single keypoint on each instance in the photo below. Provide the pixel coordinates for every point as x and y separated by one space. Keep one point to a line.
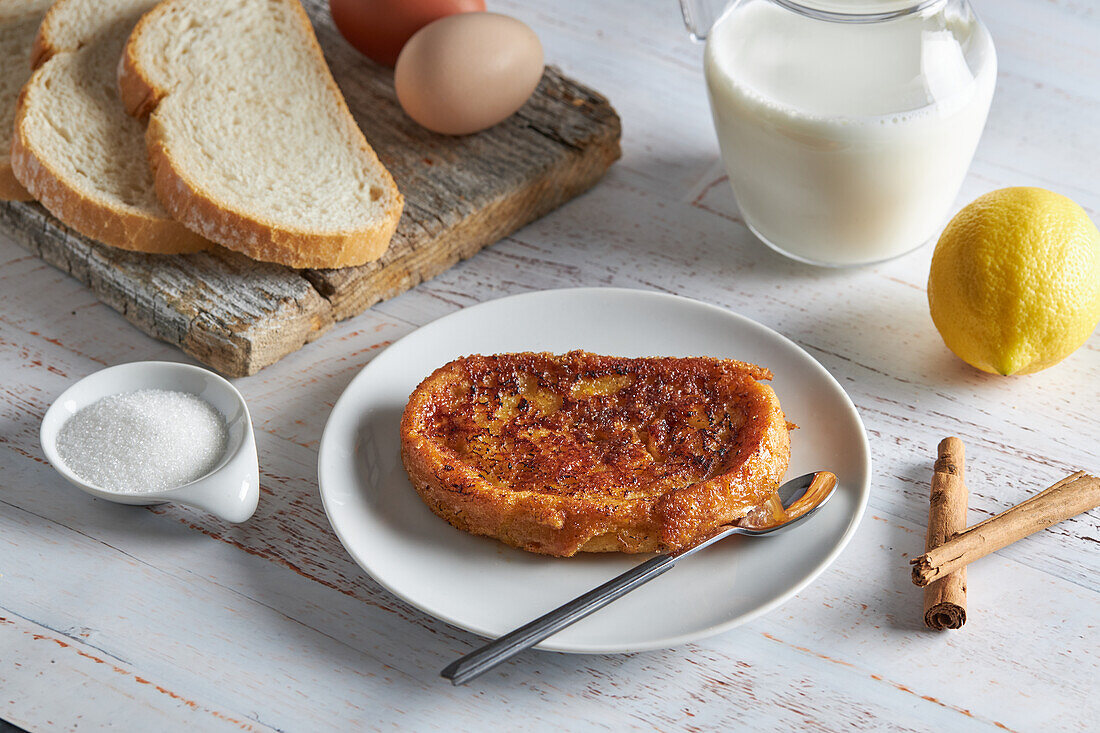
700 15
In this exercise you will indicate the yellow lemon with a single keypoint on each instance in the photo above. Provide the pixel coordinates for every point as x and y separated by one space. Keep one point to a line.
1015 280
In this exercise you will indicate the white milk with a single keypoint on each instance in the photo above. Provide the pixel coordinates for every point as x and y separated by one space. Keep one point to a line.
847 143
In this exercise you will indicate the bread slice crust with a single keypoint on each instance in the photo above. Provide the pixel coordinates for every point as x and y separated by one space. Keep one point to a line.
19 21
559 454
147 93
59 50
10 187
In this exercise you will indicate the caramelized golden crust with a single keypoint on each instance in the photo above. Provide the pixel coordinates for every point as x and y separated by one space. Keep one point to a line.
588 453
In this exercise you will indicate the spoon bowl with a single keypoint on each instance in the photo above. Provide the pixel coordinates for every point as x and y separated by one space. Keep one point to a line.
793 503
230 491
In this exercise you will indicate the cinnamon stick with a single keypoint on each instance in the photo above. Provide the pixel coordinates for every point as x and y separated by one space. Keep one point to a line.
1071 496
945 598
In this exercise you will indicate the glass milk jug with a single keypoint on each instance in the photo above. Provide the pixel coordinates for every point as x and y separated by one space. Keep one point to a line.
846 126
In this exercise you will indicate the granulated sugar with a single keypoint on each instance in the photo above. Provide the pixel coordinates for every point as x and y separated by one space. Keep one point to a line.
143 441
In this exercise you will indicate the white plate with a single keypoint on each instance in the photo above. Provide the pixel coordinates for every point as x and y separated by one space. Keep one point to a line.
487 588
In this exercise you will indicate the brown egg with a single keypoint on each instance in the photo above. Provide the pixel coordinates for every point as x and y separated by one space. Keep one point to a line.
467 72
380 28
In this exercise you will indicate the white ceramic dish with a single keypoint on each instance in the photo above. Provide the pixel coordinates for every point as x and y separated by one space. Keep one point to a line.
231 491
488 588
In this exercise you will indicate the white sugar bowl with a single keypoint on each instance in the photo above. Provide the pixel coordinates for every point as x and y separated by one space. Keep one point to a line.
230 490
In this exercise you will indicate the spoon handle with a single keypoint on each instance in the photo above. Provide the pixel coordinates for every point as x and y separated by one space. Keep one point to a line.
482 660
811 491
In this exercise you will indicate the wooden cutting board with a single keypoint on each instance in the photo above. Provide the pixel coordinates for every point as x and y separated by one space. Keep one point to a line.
461 194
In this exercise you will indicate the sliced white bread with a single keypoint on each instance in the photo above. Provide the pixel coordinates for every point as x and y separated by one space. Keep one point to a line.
251 142
75 148
19 21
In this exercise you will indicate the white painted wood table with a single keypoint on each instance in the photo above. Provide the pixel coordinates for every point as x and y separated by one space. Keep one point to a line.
165 618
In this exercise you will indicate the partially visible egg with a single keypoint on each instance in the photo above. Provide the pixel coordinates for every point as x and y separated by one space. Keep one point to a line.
465 73
380 28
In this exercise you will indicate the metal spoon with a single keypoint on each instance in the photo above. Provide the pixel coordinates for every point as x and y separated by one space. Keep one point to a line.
797 500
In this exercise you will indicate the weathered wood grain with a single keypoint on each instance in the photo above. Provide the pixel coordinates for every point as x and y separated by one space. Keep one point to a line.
461 193
222 308
87 671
